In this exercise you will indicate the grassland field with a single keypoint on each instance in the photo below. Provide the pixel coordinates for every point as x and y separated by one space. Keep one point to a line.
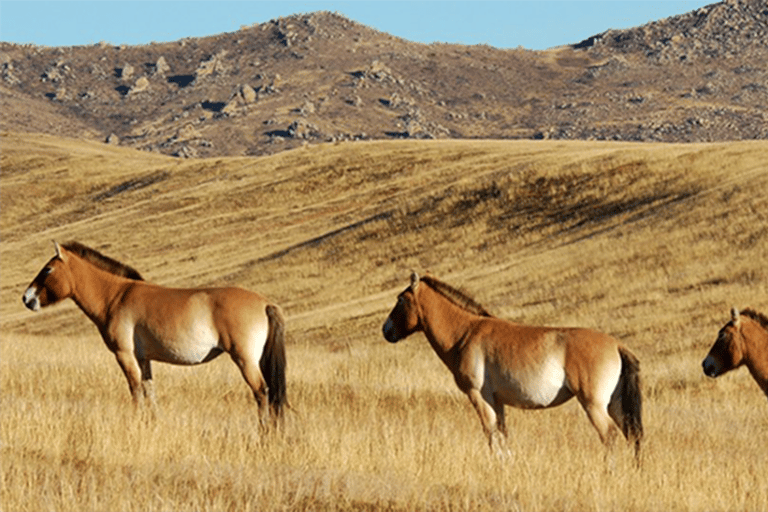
652 243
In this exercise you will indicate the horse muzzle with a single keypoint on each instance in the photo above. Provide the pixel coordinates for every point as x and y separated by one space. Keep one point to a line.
709 367
390 332
31 299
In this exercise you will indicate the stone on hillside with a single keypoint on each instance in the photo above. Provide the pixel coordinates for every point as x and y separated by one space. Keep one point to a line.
62 94
244 96
307 108
378 70
247 93
301 129
185 152
126 72
161 66
52 74
213 66
142 84
355 101
7 68
187 132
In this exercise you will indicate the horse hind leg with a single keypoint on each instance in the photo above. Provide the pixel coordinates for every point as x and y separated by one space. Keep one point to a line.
255 380
600 418
147 384
501 423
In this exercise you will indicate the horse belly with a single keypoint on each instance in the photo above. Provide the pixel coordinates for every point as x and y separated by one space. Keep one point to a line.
195 343
535 388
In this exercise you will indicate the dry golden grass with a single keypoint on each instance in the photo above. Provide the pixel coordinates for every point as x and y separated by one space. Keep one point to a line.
652 243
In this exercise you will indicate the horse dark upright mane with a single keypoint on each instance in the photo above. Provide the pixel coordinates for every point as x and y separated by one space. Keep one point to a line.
458 297
757 317
103 262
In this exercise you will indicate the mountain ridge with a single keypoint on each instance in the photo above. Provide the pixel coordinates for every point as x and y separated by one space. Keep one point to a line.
320 77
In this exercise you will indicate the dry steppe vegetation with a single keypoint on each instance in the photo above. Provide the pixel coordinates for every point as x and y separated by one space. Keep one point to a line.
649 242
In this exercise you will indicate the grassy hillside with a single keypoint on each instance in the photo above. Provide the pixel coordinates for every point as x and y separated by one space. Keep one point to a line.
652 243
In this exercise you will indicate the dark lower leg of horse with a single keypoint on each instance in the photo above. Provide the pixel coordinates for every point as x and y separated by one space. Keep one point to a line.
266 419
497 442
137 394
148 389
145 410
501 423
146 381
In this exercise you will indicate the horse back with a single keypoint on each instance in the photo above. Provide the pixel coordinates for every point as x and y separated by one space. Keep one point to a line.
514 340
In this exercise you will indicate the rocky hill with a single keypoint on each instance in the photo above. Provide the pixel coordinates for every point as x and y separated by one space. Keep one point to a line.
320 77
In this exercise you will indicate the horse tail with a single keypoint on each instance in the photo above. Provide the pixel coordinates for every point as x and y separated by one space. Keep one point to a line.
272 362
631 399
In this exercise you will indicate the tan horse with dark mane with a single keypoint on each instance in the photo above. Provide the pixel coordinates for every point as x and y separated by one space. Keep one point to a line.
497 362
742 341
142 322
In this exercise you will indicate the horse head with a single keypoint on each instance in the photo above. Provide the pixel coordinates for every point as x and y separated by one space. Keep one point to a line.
726 354
52 284
403 320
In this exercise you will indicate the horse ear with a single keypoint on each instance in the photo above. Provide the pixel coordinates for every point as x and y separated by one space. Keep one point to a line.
414 280
59 253
735 315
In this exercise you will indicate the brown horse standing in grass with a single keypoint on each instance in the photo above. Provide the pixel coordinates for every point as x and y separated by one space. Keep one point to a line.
742 341
498 363
142 322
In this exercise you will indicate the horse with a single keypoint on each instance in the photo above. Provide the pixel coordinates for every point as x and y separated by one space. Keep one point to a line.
142 322
496 362
742 341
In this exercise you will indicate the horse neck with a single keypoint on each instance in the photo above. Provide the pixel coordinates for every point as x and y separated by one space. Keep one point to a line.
94 289
755 350
445 324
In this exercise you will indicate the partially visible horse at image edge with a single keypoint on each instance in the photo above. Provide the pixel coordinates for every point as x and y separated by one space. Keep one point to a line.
743 341
496 362
142 322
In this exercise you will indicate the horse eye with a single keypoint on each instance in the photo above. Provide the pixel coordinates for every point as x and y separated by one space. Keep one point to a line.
47 271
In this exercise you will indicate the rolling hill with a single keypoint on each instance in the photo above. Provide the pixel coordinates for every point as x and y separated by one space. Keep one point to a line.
650 242
344 223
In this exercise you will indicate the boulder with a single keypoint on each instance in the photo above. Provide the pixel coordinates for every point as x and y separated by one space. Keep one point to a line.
161 66
142 84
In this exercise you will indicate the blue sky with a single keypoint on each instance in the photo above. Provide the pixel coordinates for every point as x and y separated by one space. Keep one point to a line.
534 25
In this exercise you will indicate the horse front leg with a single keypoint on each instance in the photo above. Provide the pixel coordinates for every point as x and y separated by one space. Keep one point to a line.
490 421
132 371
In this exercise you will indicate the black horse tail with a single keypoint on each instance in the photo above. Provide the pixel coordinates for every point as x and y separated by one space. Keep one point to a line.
272 362
631 399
